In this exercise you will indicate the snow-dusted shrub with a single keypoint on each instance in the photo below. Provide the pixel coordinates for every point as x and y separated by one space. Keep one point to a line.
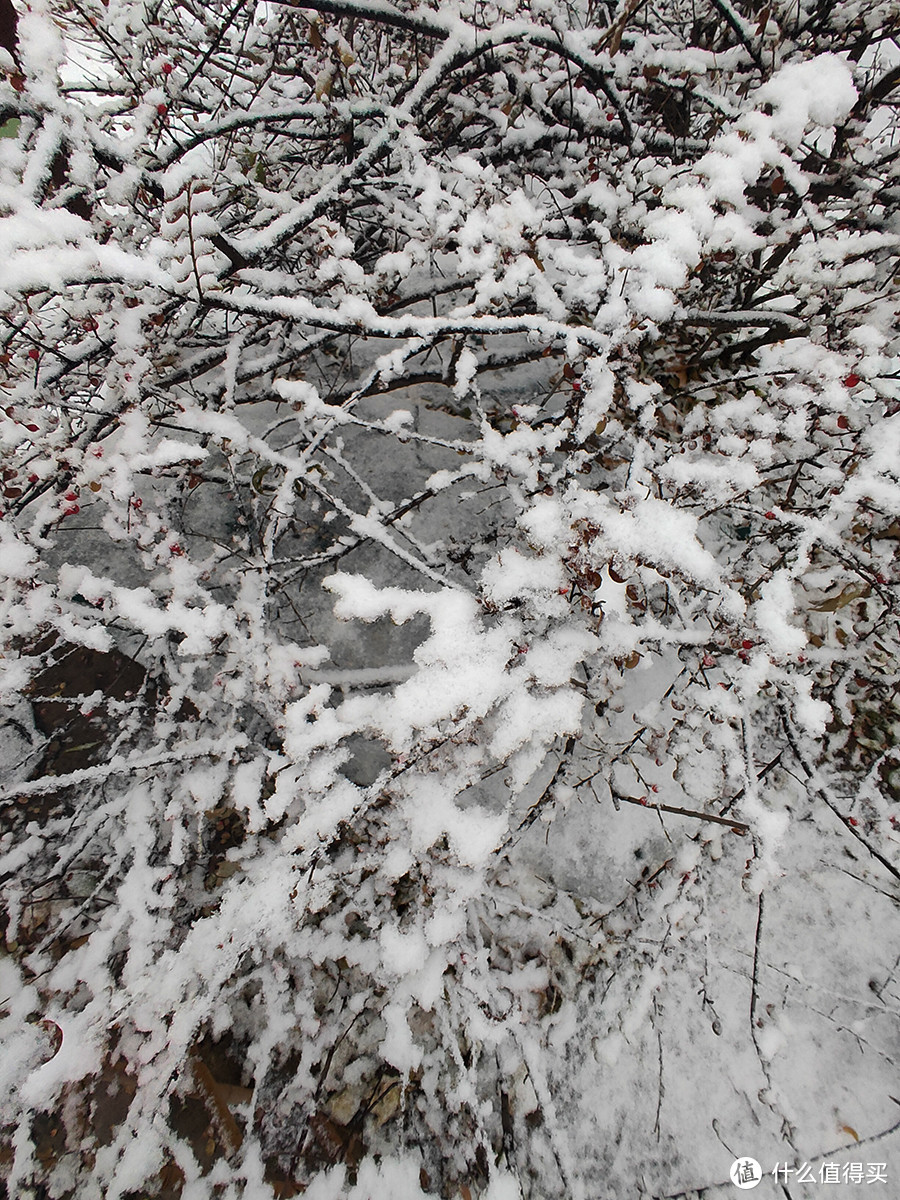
434 435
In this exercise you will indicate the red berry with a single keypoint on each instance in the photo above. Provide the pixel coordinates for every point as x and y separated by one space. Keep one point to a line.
610 116
563 591
136 501
34 353
879 578
770 516
32 428
852 821
162 109
167 68
32 478
71 496
746 644
71 510
852 380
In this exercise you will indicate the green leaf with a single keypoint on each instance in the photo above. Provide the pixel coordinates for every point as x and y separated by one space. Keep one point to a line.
10 128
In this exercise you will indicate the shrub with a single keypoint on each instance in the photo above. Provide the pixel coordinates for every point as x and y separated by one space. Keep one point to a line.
428 429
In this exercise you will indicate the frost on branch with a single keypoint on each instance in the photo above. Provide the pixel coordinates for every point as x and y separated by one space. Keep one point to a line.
447 557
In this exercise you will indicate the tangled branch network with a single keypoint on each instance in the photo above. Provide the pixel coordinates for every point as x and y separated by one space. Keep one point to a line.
448 588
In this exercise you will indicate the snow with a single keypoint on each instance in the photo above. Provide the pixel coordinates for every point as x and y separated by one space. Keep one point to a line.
654 531
447 574
771 612
819 90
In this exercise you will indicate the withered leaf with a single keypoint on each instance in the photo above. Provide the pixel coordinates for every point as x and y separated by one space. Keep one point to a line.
210 1092
336 1142
853 591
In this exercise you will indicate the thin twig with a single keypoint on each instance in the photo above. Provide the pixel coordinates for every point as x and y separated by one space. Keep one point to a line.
738 826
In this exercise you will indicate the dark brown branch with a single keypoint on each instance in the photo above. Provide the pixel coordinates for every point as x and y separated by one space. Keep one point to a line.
737 25
879 91
738 826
